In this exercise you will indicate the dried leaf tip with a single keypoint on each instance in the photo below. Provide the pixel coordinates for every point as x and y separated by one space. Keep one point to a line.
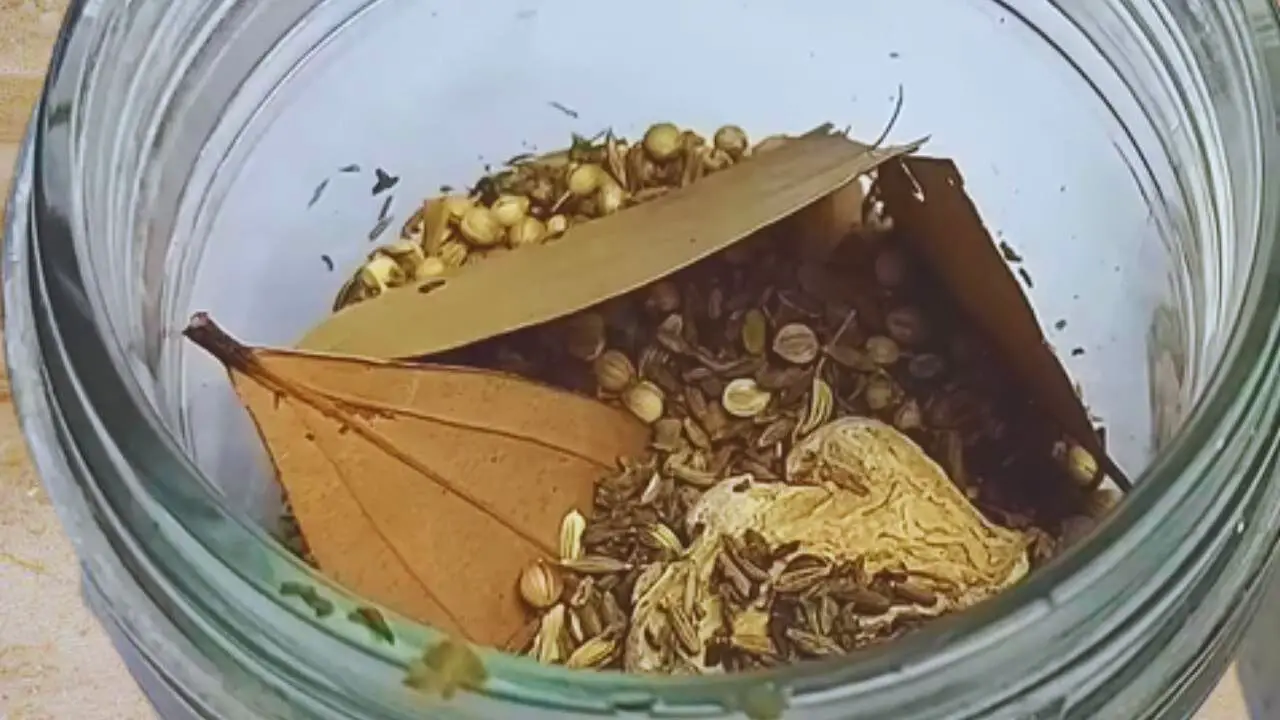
206 333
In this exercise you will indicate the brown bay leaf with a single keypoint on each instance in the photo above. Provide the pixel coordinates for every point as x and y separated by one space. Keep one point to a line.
927 198
601 259
425 488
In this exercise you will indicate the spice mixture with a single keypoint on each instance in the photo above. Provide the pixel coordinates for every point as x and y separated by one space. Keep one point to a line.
836 455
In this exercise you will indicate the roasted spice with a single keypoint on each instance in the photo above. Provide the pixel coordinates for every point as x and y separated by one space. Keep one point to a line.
734 363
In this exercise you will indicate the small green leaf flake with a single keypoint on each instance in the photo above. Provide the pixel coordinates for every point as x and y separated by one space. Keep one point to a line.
307 594
445 668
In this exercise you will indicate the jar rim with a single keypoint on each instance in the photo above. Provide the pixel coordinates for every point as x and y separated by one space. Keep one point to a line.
1218 431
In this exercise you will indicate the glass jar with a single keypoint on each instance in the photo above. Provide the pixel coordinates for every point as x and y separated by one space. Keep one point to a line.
199 155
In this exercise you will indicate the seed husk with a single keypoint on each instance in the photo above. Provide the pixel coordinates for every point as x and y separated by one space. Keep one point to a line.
797 344
743 398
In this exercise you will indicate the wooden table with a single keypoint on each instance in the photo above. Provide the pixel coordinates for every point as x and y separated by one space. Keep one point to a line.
55 663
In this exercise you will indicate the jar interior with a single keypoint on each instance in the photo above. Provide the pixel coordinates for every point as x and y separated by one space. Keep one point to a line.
273 226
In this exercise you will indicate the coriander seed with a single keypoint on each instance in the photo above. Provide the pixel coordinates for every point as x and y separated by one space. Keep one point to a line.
585 180
732 140
744 398
906 325
429 267
645 401
541 586
664 297
509 210
663 142
796 343
614 371
529 231
557 225
882 350
610 197
480 228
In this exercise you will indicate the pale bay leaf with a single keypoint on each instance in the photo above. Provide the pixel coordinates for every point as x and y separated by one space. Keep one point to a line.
603 258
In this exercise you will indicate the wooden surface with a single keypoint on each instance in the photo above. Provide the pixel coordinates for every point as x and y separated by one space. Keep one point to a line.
55 663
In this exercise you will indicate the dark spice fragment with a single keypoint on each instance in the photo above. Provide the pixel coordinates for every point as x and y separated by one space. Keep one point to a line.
383 181
372 618
315 194
1010 255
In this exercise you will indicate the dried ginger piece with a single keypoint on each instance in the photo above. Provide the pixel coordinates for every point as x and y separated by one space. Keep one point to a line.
858 491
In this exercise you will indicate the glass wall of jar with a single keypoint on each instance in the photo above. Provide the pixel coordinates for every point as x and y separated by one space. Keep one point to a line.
1126 146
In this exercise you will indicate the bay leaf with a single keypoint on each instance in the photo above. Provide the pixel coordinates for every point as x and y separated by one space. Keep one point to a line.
926 197
425 488
603 258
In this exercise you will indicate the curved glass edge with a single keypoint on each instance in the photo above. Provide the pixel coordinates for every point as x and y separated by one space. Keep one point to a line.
1259 337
